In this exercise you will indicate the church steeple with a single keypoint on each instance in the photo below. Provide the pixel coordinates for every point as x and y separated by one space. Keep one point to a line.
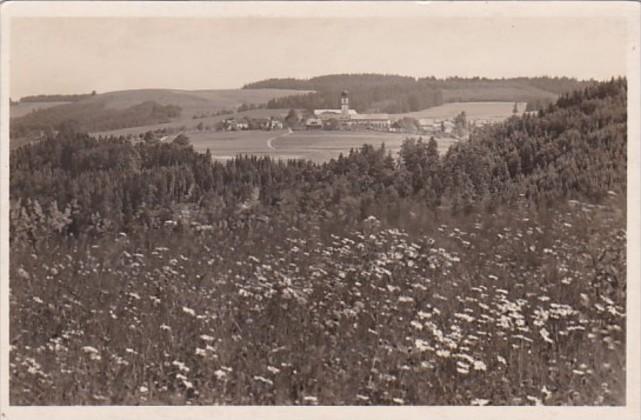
345 103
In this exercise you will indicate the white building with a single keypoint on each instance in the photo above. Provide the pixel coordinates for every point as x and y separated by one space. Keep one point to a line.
379 121
350 118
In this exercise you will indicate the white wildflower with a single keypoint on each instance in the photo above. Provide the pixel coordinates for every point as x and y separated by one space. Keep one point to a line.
443 353
416 325
480 365
479 401
92 352
422 345
535 400
263 380
273 369
546 336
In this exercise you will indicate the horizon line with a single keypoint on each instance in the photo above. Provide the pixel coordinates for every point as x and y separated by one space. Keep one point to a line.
416 78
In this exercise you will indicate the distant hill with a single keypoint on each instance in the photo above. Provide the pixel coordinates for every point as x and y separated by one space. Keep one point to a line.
18 109
57 98
401 94
132 108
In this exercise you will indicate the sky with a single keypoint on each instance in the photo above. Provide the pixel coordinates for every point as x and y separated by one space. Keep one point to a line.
79 54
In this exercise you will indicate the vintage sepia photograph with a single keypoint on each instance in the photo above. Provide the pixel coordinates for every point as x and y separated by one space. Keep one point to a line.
320 204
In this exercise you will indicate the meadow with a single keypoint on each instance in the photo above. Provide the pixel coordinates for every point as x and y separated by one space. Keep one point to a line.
496 310
492 111
317 145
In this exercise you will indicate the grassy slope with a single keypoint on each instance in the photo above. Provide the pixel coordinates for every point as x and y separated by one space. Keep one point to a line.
496 111
192 100
24 108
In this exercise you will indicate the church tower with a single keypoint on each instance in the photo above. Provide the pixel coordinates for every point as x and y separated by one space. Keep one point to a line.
344 104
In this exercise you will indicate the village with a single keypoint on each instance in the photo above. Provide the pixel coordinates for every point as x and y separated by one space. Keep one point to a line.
347 119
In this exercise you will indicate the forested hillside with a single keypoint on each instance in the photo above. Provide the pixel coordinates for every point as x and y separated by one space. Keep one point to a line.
398 94
154 275
368 92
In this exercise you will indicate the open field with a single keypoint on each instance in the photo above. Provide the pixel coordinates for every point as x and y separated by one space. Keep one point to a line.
494 111
317 146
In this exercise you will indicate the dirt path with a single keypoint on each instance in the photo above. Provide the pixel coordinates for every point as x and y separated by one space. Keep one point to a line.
269 140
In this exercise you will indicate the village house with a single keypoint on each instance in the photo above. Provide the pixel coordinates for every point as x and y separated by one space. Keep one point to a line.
448 126
314 123
242 124
275 124
231 124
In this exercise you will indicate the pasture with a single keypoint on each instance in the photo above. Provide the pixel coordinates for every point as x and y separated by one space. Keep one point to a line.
317 146
493 111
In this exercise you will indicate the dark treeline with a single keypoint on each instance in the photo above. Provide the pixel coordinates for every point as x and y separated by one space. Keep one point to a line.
368 92
76 184
57 98
91 116
397 94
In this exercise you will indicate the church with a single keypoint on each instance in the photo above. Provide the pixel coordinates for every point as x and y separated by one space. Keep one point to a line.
349 118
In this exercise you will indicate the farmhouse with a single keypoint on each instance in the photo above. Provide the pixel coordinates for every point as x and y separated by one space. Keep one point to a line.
314 123
242 124
430 125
